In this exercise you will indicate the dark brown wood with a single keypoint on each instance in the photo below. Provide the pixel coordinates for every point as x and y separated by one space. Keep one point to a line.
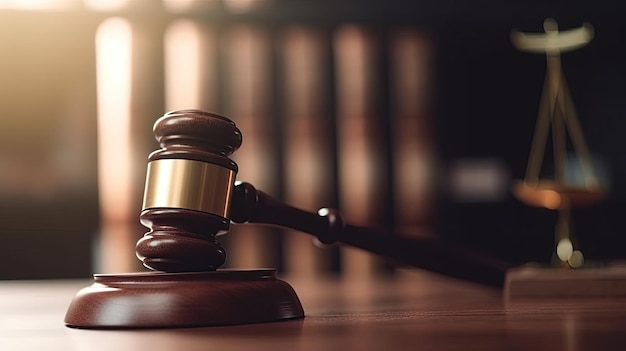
411 311
564 282
182 240
425 251
197 135
166 300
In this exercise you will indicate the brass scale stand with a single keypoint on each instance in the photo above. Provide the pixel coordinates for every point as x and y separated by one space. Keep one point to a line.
557 110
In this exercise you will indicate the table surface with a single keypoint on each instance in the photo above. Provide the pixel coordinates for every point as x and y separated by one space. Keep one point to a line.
412 311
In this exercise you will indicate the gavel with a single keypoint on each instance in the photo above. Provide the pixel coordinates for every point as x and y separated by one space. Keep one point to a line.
191 197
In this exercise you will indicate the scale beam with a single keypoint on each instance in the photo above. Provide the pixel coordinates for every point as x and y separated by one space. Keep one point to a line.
553 41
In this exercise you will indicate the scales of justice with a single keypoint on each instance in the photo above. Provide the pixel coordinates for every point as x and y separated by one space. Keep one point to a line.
557 116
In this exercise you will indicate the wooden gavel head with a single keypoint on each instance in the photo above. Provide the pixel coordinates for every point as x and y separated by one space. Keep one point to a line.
189 185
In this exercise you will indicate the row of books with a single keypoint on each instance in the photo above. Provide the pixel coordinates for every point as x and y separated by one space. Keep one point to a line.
331 117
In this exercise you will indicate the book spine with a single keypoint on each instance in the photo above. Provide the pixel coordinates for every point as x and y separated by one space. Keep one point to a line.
248 98
360 138
412 144
308 142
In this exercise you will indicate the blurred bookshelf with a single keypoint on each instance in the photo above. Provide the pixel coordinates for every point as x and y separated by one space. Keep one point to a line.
377 108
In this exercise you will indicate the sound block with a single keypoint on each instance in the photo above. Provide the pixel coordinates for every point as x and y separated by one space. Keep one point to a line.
543 282
175 300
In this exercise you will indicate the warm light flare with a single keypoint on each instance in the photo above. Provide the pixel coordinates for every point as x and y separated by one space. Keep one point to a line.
576 260
33 4
113 70
105 5
182 65
564 249
550 199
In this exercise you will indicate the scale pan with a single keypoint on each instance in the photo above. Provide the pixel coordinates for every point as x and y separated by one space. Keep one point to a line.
553 196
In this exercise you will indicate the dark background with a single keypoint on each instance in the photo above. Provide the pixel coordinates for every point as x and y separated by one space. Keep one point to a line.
488 97
485 105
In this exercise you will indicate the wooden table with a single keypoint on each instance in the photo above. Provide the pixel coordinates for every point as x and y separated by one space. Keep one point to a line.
413 311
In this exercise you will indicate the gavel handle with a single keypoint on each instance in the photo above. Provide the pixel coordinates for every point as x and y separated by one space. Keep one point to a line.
427 252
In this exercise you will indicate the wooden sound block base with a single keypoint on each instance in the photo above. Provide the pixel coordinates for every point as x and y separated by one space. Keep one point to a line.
175 300
538 282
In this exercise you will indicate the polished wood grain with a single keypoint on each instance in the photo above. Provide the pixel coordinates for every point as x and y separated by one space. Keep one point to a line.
182 239
413 311
175 300
558 282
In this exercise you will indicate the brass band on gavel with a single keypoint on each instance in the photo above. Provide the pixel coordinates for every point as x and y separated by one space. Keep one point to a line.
188 184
